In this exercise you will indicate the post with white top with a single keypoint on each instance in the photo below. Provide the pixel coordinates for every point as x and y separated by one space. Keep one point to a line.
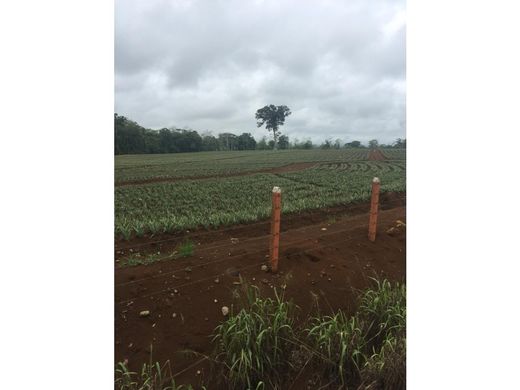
374 206
275 228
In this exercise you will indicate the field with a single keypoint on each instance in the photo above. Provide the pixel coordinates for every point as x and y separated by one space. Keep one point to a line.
309 180
192 235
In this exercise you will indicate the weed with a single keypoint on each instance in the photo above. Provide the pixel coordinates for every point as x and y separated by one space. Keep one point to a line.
252 345
387 368
185 249
384 310
152 376
260 347
138 259
368 347
340 342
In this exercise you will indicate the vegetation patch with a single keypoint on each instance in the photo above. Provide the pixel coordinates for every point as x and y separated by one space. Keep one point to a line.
263 345
172 207
185 249
252 345
153 376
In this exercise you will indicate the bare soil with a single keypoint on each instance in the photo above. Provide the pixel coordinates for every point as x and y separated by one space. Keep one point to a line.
376 155
324 255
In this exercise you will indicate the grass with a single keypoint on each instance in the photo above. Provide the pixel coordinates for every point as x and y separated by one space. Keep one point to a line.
261 346
185 249
338 342
367 347
252 344
152 376
383 308
386 369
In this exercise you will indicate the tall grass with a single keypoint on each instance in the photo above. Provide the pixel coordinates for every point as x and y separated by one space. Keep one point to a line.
258 346
368 347
152 376
252 345
386 369
383 309
339 343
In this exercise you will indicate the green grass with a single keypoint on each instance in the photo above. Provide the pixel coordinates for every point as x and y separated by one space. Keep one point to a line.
367 347
263 346
152 376
252 344
185 249
170 207
338 342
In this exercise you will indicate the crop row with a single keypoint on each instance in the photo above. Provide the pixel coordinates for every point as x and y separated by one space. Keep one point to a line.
394 154
179 165
362 165
169 207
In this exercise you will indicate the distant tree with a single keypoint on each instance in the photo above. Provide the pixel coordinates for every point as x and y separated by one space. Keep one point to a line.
129 137
273 117
304 144
399 143
308 144
166 143
373 144
337 144
327 144
209 143
271 144
262 144
188 140
152 141
353 144
283 142
227 141
245 141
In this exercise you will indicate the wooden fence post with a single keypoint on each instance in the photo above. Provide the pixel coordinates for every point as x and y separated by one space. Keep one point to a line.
374 205
275 228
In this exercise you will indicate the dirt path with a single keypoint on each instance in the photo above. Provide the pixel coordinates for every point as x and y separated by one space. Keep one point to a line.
286 168
376 155
326 260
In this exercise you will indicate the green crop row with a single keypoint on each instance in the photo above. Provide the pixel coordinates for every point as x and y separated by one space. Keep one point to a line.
394 154
188 204
181 165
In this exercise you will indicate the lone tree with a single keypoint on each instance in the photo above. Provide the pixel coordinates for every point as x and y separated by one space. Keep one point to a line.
273 117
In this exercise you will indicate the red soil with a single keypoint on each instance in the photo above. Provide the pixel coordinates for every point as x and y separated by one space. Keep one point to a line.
376 155
325 254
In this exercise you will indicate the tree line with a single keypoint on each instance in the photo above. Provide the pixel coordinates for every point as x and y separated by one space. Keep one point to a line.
132 138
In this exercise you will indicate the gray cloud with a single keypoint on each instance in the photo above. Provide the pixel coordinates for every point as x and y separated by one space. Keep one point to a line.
209 65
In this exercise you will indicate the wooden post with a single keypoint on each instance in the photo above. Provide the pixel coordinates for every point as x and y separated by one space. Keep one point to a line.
374 205
275 228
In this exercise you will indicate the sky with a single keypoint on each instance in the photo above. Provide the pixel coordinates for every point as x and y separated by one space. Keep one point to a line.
208 65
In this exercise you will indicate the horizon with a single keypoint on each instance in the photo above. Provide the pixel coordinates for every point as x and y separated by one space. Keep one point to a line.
209 66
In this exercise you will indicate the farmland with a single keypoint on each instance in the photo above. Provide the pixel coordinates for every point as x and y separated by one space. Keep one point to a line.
192 237
331 178
208 164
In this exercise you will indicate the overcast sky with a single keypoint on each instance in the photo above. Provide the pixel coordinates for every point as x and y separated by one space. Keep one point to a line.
209 65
